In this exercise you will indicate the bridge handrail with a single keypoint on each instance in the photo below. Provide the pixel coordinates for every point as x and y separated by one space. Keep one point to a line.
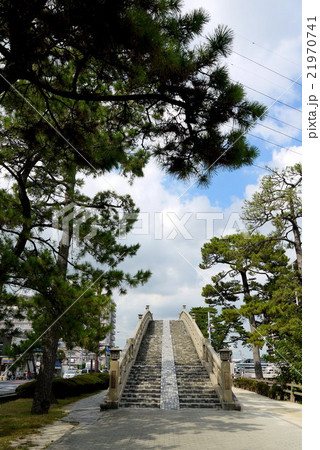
129 353
219 371
205 352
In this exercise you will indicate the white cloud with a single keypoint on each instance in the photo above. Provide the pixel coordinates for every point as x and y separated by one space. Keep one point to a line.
286 157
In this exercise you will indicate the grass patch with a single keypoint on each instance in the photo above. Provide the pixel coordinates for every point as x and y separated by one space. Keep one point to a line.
17 422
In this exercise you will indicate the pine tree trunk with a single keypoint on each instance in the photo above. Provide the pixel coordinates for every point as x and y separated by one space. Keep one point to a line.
297 246
256 351
42 396
253 326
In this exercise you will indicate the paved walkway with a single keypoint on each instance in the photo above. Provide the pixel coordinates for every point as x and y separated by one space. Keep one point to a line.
262 424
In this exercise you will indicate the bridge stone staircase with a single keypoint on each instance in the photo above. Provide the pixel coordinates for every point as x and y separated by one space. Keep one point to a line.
143 386
194 386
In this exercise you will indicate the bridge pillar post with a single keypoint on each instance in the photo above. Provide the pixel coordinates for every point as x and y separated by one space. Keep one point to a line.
113 392
225 356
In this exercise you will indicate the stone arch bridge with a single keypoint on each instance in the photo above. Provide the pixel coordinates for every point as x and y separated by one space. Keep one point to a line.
169 365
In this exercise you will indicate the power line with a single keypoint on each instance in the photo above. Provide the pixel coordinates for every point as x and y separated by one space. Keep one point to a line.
266 140
285 123
280 132
266 95
272 98
262 78
256 75
267 68
267 115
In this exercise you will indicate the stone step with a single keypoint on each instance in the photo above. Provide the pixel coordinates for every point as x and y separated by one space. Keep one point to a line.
194 391
146 367
189 383
139 376
200 405
141 395
135 400
141 391
141 381
192 380
196 377
139 405
194 386
142 399
147 381
145 373
142 387
200 398
198 395
137 380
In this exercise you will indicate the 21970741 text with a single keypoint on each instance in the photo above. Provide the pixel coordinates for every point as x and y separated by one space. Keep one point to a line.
313 101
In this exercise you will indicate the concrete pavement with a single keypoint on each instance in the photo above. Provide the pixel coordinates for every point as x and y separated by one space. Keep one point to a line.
263 423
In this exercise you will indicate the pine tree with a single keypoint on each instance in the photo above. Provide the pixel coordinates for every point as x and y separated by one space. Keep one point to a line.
45 180
222 332
140 59
251 262
278 202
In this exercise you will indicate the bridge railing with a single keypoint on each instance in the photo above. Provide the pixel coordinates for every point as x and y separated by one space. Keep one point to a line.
120 369
131 349
218 367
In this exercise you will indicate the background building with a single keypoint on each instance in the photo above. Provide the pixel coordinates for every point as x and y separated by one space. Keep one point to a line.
76 357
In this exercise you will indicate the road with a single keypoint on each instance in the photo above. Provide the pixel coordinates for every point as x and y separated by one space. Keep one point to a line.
9 387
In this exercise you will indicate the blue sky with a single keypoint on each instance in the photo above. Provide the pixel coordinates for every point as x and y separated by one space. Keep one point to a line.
267 36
